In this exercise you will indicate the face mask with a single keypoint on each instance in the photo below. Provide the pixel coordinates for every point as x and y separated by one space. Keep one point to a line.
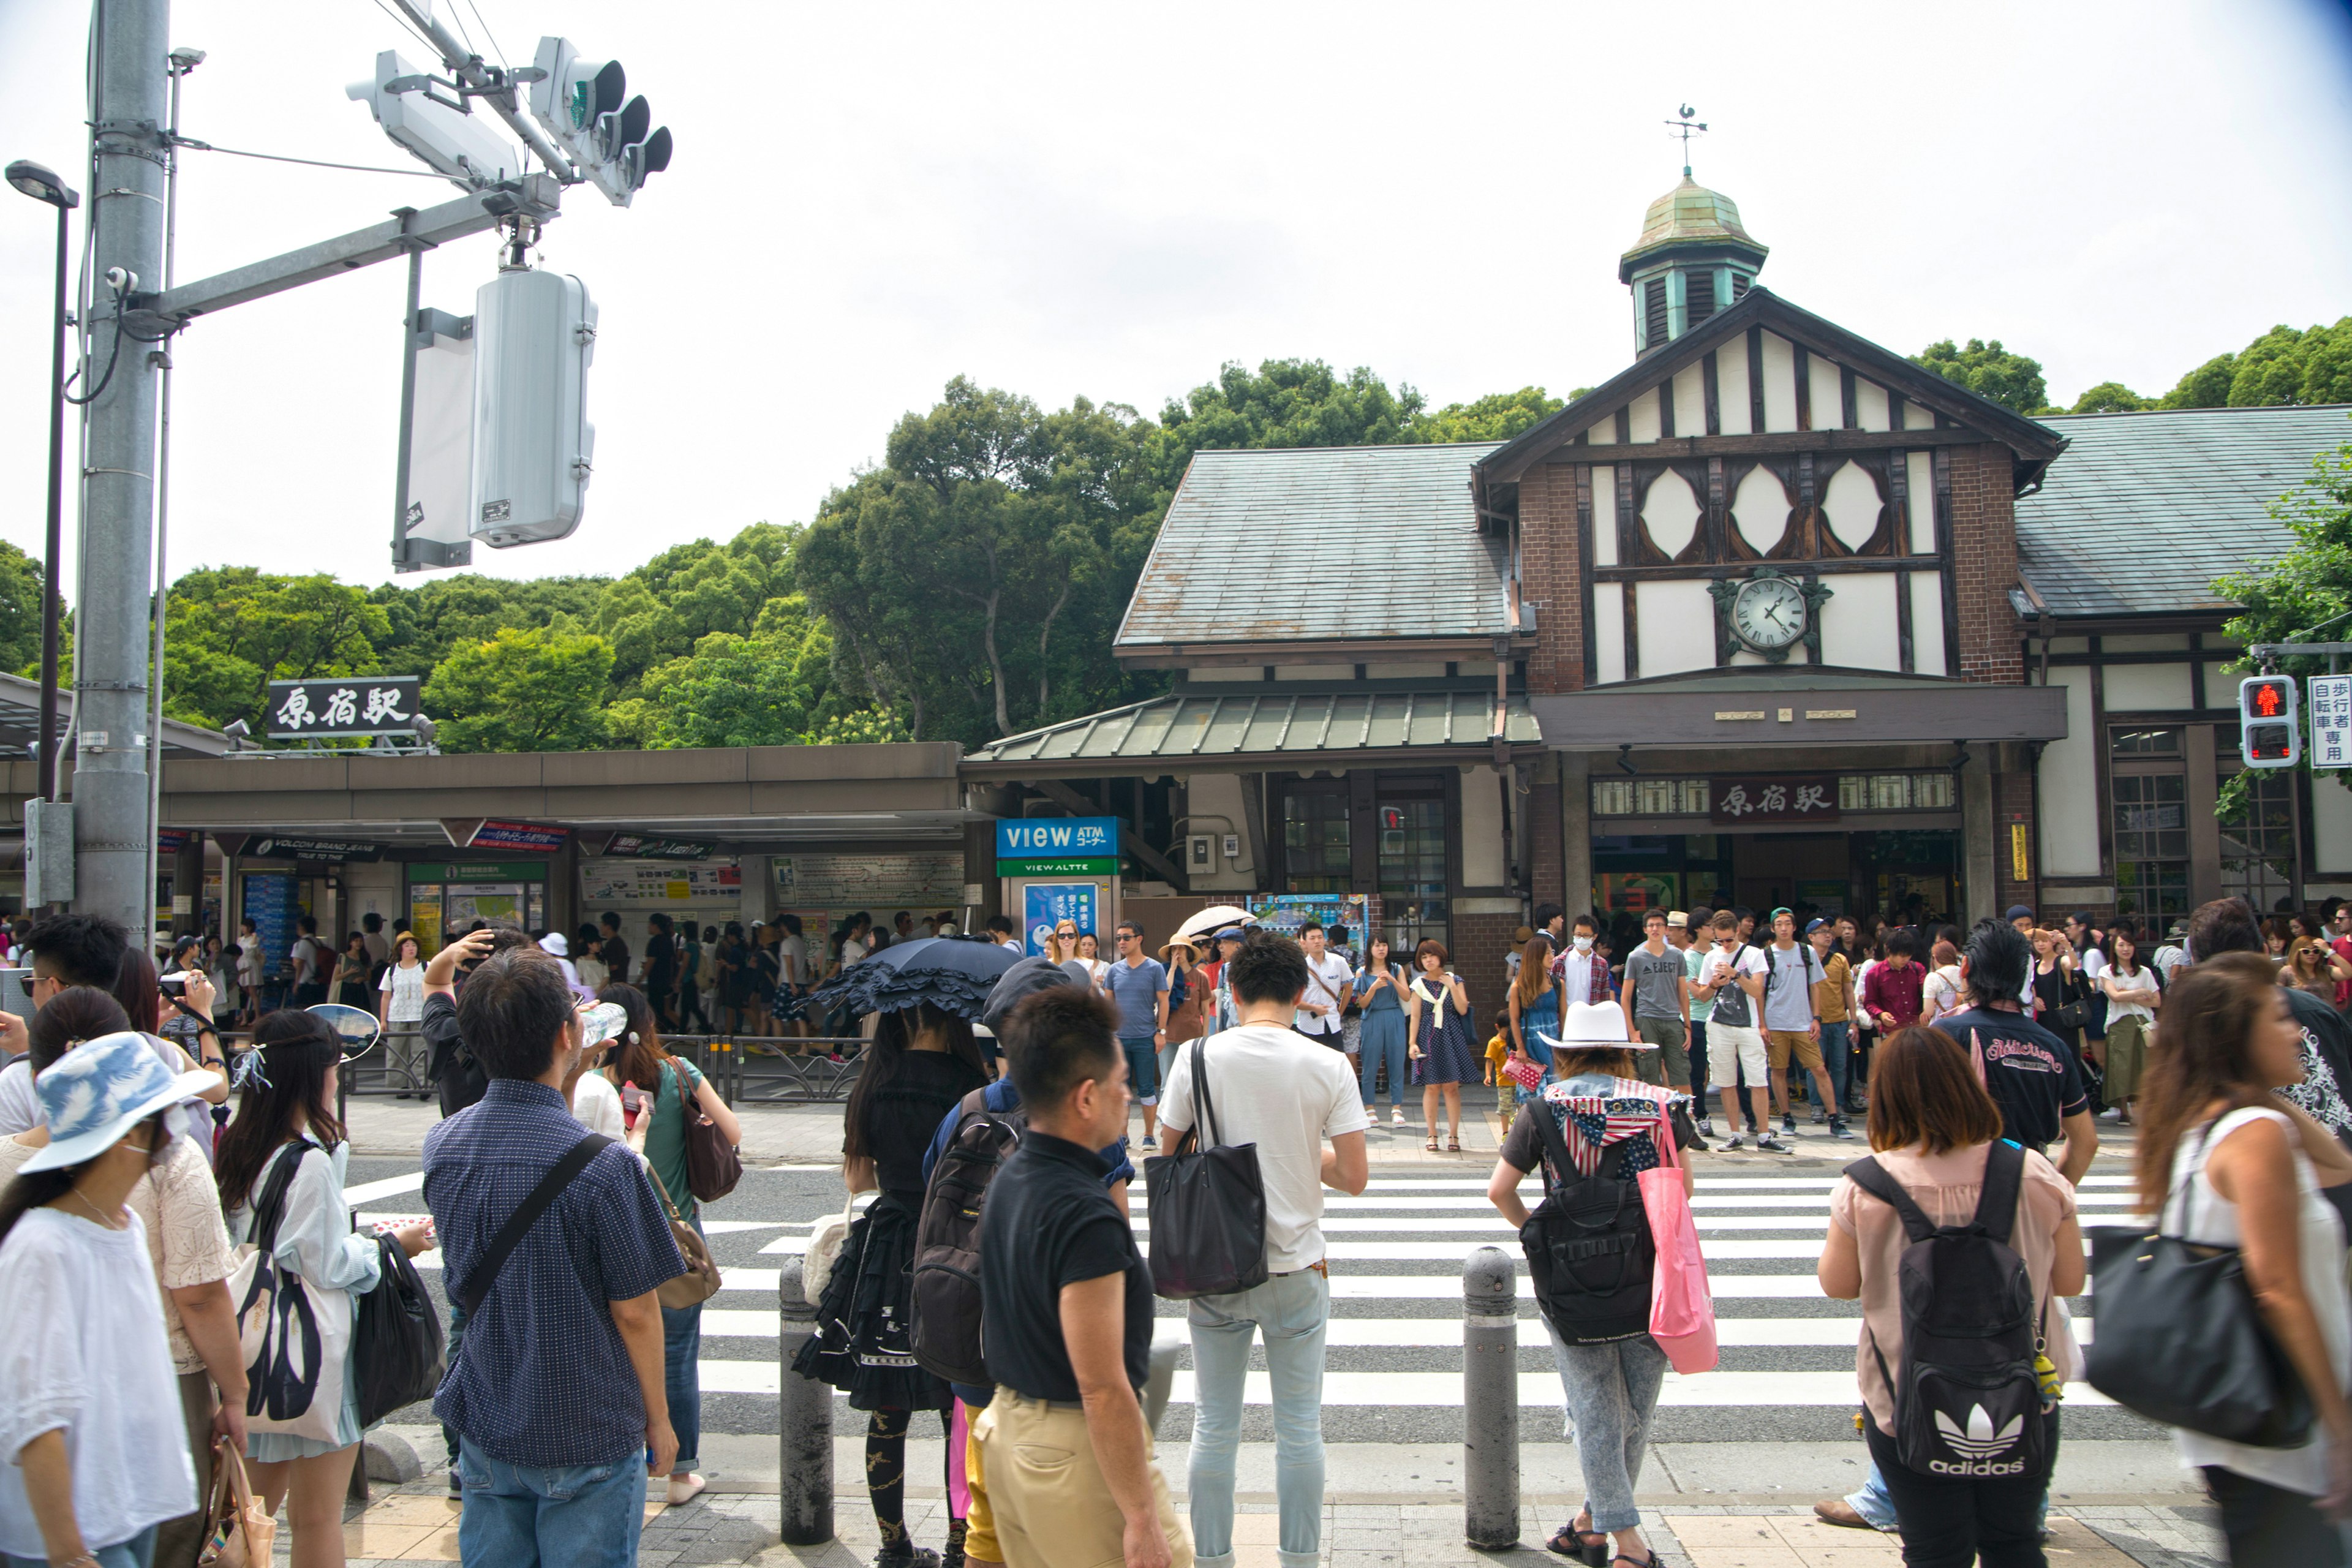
1583 944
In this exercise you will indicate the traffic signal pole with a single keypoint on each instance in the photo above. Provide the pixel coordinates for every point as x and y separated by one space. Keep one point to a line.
112 832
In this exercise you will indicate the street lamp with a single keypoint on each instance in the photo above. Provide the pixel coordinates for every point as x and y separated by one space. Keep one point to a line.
43 185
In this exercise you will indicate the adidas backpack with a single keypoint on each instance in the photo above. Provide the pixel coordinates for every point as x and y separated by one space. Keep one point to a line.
947 1294
1968 1403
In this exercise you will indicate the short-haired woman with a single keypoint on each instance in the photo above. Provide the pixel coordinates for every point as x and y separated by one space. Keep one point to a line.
400 1009
1933 1129
2134 992
2228 1163
1437 1016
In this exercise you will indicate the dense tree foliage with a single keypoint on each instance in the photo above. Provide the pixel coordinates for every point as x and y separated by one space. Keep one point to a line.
2281 366
1990 372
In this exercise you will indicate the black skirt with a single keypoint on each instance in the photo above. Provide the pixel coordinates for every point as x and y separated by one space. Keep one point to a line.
864 1343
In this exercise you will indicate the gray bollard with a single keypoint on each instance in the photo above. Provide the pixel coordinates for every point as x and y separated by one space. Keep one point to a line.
804 1411
1490 1399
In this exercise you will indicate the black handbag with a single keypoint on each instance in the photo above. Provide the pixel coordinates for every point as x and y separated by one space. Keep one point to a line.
396 1346
2077 1012
2180 1340
1208 1208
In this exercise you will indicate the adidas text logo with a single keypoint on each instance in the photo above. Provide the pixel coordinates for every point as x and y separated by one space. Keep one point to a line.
1981 1467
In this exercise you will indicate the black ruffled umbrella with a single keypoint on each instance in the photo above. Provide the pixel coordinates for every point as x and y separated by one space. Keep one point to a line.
950 972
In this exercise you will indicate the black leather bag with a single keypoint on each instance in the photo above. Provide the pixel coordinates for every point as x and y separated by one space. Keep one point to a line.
396 1346
2077 1011
1208 1208
2180 1340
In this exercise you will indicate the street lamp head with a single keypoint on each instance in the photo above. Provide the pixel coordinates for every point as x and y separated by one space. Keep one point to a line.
186 59
42 184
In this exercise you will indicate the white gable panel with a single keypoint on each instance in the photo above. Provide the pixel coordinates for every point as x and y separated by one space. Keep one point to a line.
1731 387
1869 406
2139 688
1607 633
1760 508
1676 622
1927 623
1779 383
1690 400
1859 630
1828 413
1603 433
1642 416
2068 800
1850 502
1916 417
1919 471
1604 516
1672 513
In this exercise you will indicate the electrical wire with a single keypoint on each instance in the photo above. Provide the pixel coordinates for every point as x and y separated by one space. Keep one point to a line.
485 25
310 162
409 28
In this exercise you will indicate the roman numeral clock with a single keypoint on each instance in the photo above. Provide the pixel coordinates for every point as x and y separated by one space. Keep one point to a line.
1768 613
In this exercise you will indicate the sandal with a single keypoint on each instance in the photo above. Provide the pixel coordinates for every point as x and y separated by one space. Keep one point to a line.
1587 1546
1649 1562
1454 1143
1432 1145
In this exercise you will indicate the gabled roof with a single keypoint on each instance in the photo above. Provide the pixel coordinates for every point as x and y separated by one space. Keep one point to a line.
1320 543
1759 307
2146 511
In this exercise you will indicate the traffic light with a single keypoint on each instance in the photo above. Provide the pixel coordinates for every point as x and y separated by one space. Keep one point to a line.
585 106
471 150
2270 735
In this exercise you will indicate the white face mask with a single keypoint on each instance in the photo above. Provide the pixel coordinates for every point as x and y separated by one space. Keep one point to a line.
1583 944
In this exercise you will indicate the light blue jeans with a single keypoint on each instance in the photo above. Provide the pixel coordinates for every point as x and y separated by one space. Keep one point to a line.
575 1516
139 1552
1292 1310
1610 1391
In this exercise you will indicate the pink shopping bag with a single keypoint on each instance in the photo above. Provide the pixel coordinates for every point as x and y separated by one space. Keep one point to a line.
1682 1311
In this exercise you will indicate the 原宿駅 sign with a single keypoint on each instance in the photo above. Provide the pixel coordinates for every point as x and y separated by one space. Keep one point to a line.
356 705
1769 801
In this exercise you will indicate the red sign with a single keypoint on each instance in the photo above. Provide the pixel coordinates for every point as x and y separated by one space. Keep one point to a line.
1772 801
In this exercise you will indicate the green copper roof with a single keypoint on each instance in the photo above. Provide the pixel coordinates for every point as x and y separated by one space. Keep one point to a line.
1310 729
1689 212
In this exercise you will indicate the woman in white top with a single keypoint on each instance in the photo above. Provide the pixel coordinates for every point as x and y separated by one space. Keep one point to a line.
400 1008
2133 993
1941 992
2229 1164
1090 959
588 958
287 1112
90 1412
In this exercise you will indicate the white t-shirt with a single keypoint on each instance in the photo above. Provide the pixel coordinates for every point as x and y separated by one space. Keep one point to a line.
85 1351
596 1105
1940 994
1789 997
1574 971
2142 980
1854 1009
1733 1006
793 954
852 951
405 983
1287 1096
1336 978
2093 964
2168 958
20 1107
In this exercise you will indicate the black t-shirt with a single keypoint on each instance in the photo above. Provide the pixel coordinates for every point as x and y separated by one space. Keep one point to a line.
2033 1076
1050 1224
661 959
898 1117
615 954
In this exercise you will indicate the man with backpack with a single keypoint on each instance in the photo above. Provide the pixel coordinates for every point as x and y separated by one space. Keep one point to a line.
1793 1024
312 960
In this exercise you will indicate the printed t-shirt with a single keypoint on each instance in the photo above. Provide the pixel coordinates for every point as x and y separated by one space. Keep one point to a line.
1336 977
1733 1006
2033 1076
1655 979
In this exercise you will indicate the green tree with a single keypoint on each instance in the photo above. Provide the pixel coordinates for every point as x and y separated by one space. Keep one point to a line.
20 611
2207 386
1498 416
1285 403
424 621
232 630
2111 397
529 689
2281 366
773 688
1990 372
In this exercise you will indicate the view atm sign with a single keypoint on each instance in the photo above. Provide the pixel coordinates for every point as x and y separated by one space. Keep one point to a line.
1034 846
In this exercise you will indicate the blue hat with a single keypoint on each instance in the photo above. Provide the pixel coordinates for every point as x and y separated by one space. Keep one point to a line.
1231 934
2018 912
1813 925
97 1092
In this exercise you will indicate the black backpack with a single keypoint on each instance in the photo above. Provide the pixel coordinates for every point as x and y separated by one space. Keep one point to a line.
947 1293
1590 1252
1968 1402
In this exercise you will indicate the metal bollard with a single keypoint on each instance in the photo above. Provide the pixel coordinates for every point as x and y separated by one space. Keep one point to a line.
804 1446
1490 1400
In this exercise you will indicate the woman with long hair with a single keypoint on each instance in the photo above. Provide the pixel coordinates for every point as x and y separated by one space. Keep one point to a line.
1089 958
659 1092
1380 1001
1437 1021
2312 965
2134 992
1933 1132
1062 944
286 1111
140 990
2224 1162
97 1457
351 966
923 1059
1534 1008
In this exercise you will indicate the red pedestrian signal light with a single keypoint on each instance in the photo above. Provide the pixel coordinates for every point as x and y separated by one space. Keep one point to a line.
2270 733
2266 699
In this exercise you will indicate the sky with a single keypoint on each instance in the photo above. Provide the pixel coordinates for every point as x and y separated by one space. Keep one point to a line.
1112 201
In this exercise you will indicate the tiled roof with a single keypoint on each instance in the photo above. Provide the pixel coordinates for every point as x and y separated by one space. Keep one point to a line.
1309 543
1267 722
2143 511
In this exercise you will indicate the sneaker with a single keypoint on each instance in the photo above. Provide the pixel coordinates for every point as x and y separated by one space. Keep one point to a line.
1838 1129
2111 1114
907 1557
1820 1116
1789 1123
1149 1142
1773 1144
1739 1140
1706 1128
456 1488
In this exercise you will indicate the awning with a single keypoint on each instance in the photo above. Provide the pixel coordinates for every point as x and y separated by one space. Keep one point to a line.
1790 707
1328 728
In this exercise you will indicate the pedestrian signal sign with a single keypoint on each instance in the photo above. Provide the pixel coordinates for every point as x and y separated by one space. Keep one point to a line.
2269 735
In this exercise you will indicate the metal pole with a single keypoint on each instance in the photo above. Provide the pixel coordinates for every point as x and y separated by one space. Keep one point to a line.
1490 1400
162 356
112 833
804 1406
50 591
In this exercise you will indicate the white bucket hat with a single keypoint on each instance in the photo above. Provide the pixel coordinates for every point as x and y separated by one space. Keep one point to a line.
1593 1025
553 942
97 1092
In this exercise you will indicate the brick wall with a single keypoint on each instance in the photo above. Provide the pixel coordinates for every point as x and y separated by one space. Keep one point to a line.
1984 552
1551 565
1479 944
2013 803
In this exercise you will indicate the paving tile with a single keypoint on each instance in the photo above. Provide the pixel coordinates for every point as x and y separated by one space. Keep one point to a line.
1735 1530
1745 1557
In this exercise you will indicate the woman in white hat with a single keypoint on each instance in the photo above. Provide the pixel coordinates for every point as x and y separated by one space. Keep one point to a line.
89 1411
1609 1373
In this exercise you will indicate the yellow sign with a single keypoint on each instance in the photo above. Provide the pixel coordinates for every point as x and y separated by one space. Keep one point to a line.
2020 868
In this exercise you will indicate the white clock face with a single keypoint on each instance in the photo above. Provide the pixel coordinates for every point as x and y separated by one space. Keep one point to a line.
1769 612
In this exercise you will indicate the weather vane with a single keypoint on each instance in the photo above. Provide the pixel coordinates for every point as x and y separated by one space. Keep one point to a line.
1685 128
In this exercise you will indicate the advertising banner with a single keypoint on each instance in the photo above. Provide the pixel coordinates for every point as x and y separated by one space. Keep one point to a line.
1046 905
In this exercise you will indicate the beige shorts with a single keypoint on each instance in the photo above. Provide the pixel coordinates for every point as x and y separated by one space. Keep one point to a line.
1745 1045
1783 1043
1047 1498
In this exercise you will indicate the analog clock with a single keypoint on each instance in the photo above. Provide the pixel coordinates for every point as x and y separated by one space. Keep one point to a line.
1768 613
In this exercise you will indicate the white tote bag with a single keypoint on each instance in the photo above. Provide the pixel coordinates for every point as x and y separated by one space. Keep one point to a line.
295 1337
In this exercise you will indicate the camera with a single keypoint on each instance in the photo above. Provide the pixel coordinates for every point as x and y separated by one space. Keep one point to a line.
173 985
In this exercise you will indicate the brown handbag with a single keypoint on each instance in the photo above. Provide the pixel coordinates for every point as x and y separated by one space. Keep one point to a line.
700 1280
240 1533
712 1166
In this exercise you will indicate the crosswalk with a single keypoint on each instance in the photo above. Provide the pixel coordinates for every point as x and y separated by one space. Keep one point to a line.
1393 1343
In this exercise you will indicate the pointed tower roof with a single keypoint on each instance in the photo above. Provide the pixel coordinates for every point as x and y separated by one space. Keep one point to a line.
1689 214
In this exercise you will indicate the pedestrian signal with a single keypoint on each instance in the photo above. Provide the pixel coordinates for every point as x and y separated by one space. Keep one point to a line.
2269 735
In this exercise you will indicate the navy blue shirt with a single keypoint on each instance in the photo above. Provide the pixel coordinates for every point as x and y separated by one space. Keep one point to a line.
540 1376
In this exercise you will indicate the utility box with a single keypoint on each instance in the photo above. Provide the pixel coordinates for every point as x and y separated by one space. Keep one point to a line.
48 852
534 334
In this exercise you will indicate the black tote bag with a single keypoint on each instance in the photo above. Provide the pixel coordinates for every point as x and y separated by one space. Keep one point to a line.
396 1346
2180 1342
1208 1208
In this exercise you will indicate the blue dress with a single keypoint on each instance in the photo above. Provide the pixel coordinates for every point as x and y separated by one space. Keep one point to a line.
1384 1017
1447 1054
1540 1016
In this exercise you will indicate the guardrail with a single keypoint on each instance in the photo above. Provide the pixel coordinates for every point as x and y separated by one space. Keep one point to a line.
747 1069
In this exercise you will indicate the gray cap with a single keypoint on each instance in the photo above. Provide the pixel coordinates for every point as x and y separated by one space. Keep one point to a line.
1024 980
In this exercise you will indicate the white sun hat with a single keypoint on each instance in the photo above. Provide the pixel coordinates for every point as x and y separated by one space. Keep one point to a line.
1593 1025
98 1091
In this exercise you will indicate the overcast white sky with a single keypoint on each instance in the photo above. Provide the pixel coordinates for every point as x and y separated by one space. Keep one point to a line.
1113 199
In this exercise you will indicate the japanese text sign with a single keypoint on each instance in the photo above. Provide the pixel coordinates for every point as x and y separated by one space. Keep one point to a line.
1767 801
495 835
1047 904
2331 720
355 705
1056 838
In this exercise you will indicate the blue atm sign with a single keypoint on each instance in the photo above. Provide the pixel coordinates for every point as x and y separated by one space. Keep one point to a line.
1058 839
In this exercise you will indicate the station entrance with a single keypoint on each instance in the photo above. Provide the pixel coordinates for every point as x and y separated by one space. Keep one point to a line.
1910 874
